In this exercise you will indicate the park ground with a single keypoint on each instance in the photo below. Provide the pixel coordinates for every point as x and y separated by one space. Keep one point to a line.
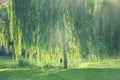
95 71
70 74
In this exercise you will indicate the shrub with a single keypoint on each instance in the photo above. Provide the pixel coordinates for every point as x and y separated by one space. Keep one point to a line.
48 66
23 62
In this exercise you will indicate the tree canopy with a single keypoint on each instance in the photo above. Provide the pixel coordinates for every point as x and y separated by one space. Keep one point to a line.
49 30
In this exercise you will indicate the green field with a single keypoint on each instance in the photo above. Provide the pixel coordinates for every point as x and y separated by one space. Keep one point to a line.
105 70
70 74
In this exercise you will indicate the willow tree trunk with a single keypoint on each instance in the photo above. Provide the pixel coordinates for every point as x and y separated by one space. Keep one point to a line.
64 48
65 55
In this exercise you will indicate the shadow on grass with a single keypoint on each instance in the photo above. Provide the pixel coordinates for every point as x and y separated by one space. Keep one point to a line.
69 74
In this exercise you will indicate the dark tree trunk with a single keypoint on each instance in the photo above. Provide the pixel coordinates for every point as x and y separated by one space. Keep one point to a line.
64 48
65 56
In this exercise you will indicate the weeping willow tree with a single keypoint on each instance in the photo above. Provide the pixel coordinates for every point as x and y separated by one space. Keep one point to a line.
4 26
93 26
50 30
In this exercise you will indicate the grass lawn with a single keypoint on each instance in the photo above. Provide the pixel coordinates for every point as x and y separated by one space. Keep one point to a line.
105 70
7 62
70 74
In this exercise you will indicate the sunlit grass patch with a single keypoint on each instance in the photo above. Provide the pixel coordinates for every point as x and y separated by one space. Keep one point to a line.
110 63
3 70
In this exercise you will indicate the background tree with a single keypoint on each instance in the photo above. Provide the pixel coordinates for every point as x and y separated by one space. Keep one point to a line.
50 30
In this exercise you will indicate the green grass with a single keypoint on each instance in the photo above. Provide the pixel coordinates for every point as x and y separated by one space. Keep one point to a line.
8 62
105 70
70 74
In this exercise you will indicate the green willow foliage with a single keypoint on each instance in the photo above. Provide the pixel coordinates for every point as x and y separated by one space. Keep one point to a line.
52 29
4 28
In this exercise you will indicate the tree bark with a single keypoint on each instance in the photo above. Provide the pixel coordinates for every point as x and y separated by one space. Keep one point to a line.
65 56
64 48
